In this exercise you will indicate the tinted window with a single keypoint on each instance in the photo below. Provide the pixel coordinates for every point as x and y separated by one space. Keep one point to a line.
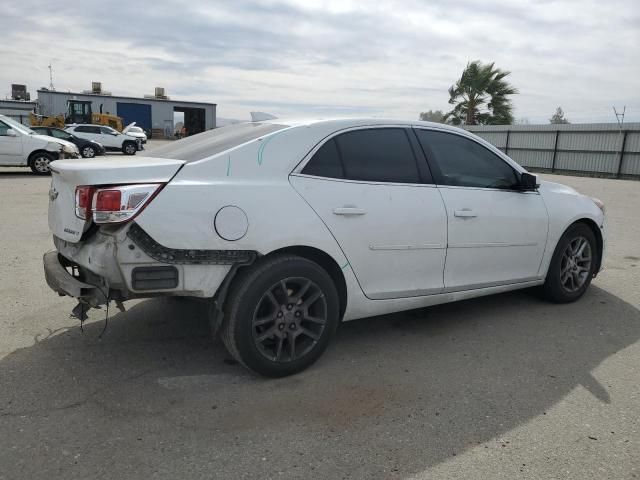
87 129
378 155
40 130
108 131
60 134
456 160
211 142
3 128
326 162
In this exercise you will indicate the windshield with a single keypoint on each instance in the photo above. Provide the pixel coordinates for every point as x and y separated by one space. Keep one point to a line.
214 141
18 126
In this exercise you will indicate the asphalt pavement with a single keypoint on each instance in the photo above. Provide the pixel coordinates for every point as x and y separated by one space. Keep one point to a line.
502 387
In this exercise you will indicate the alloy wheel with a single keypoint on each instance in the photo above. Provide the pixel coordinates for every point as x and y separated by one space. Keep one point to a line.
575 264
41 164
289 319
88 152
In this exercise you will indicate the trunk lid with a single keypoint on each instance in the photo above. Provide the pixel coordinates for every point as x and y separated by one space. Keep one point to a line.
66 175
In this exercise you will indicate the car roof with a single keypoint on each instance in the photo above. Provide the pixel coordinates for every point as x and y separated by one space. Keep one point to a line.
44 126
348 122
86 125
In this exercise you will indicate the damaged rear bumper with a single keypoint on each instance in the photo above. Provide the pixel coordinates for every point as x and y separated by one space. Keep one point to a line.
64 283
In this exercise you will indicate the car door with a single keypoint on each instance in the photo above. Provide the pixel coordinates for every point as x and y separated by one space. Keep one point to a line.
109 137
88 132
10 146
496 233
372 188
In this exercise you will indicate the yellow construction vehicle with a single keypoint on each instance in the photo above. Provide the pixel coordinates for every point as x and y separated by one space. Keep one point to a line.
54 121
78 111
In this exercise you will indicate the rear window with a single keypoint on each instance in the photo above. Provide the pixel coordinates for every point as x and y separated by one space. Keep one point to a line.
214 141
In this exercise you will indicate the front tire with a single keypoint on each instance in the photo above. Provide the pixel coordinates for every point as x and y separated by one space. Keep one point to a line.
280 315
572 265
129 148
39 163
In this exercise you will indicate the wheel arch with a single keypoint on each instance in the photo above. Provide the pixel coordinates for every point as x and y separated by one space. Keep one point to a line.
327 262
33 154
593 226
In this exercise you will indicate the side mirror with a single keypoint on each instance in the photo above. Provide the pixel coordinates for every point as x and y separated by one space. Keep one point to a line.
11 133
528 182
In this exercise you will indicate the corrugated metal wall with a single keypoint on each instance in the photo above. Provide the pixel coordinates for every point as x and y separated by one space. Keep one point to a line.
596 148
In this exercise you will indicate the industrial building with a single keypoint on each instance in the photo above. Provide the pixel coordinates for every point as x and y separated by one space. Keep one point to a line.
152 112
19 110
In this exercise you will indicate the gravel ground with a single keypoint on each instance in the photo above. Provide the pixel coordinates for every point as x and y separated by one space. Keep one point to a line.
501 387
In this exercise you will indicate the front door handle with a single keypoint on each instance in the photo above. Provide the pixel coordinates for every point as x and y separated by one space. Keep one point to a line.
465 213
348 211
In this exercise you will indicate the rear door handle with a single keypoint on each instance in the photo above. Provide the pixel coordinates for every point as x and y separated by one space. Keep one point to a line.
465 213
348 211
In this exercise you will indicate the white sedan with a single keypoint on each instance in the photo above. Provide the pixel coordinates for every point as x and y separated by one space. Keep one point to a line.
288 228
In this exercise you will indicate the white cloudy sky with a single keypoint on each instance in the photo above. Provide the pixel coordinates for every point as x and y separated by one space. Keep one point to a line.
333 57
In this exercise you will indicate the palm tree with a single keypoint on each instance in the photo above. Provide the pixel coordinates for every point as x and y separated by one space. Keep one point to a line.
480 96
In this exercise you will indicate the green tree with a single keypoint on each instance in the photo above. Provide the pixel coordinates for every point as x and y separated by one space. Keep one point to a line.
481 96
433 116
558 117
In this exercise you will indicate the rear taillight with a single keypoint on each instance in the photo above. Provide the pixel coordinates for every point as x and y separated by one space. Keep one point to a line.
113 204
84 196
122 203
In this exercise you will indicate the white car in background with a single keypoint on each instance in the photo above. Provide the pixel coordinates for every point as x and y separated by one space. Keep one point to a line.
135 132
20 146
288 228
111 139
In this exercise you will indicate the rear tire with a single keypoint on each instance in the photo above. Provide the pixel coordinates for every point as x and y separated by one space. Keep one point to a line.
572 265
39 163
280 315
129 148
88 151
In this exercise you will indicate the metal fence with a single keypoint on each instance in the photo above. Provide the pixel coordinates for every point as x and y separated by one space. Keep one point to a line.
599 149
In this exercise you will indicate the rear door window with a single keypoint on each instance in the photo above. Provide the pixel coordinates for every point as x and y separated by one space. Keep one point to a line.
378 155
87 129
326 162
369 155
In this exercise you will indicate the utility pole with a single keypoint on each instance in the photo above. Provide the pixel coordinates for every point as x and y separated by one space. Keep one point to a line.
623 137
51 87
620 116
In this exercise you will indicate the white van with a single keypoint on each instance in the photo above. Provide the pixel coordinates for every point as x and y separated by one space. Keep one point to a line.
21 147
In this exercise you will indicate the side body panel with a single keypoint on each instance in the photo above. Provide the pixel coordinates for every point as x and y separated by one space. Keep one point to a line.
566 206
396 245
11 150
501 241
